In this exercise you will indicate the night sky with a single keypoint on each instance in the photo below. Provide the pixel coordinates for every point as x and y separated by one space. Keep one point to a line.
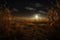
28 7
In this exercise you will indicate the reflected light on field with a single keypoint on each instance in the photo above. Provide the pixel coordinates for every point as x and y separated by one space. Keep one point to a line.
35 17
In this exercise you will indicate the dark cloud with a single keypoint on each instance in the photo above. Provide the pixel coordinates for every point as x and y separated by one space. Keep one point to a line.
28 6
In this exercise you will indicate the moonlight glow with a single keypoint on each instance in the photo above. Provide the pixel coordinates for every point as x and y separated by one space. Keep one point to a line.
36 16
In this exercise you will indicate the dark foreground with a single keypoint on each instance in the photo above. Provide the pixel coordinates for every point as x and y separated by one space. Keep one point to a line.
28 31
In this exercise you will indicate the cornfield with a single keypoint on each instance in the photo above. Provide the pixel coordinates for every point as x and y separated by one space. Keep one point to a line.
11 29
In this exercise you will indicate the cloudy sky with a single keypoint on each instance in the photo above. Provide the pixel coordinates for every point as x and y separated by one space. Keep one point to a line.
28 7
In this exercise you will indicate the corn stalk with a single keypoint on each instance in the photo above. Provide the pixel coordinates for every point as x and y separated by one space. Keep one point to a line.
53 15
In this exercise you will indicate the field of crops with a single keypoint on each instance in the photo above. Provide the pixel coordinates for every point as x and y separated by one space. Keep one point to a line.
16 29
23 30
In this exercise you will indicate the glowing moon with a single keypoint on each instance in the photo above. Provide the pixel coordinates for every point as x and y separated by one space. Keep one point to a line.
36 16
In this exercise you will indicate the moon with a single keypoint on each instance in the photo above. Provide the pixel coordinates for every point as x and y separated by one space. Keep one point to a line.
36 16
